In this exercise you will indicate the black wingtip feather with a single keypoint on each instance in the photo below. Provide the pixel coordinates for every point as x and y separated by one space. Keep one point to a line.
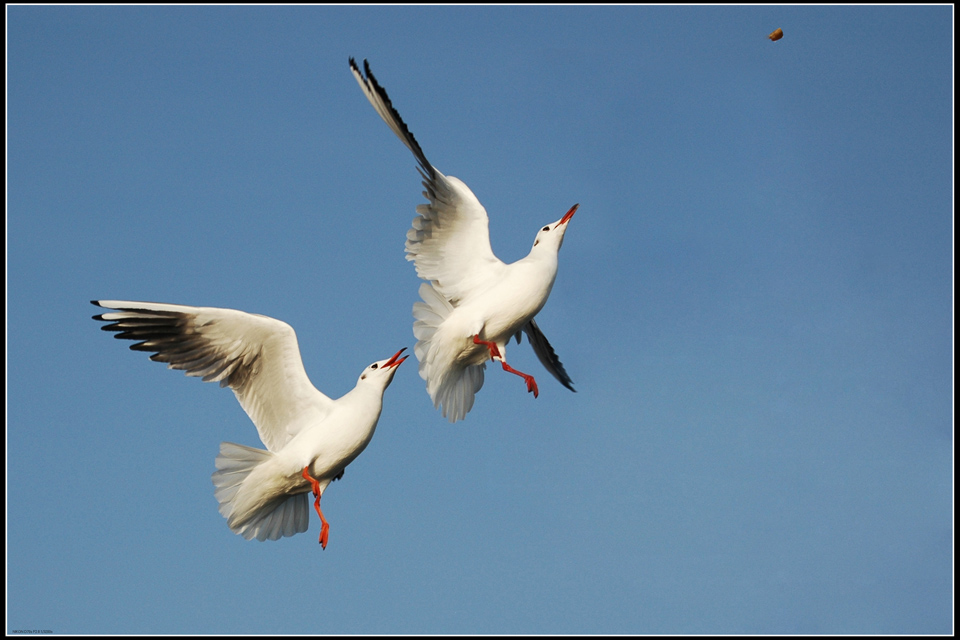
371 80
547 356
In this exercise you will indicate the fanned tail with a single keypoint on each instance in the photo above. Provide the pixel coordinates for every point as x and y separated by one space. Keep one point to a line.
249 511
450 385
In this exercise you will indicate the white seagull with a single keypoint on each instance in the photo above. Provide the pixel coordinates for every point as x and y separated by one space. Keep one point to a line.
473 303
310 438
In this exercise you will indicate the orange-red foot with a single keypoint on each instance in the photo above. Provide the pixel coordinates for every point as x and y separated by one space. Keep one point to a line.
324 525
531 383
495 353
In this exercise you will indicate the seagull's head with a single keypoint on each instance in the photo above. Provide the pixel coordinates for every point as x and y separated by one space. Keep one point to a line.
381 372
552 234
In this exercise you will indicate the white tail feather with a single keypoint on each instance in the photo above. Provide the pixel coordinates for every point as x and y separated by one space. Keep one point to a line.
269 519
448 384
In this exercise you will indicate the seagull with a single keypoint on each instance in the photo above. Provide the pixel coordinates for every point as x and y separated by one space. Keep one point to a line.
472 302
310 438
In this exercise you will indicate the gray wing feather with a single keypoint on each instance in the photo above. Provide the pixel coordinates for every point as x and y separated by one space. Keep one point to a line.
545 353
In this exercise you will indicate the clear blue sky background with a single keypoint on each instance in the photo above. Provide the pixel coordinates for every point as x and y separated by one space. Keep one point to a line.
754 301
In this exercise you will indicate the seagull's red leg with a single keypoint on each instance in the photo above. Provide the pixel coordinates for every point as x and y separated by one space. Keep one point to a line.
495 353
531 383
324 525
492 346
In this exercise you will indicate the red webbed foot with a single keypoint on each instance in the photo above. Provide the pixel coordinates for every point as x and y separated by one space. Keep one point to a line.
495 353
531 383
324 525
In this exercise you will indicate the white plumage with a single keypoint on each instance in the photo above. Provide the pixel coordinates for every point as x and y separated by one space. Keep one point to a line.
310 438
473 303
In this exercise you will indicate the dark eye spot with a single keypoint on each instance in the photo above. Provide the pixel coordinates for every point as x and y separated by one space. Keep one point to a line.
547 228
373 366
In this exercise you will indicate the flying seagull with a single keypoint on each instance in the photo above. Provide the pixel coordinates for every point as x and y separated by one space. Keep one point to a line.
472 302
310 438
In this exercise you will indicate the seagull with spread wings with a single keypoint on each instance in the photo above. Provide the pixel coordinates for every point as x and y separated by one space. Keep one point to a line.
472 302
310 438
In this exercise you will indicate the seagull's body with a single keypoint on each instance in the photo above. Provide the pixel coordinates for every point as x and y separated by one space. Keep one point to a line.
473 303
310 438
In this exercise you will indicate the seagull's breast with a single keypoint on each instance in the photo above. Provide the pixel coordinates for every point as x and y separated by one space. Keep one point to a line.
519 296
331 444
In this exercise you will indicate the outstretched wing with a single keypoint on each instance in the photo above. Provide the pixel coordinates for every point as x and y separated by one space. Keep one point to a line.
256 356
545 353
449 242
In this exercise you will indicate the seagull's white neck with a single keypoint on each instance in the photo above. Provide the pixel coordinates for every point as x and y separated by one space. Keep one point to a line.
544 256
364 393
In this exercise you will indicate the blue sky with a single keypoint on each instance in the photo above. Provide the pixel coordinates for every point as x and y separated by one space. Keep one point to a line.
754 301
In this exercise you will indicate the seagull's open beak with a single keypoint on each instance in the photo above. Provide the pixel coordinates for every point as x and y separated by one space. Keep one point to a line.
393 362
565 219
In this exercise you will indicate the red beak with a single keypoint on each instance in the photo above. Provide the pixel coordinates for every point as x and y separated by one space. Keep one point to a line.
393 362
569 214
